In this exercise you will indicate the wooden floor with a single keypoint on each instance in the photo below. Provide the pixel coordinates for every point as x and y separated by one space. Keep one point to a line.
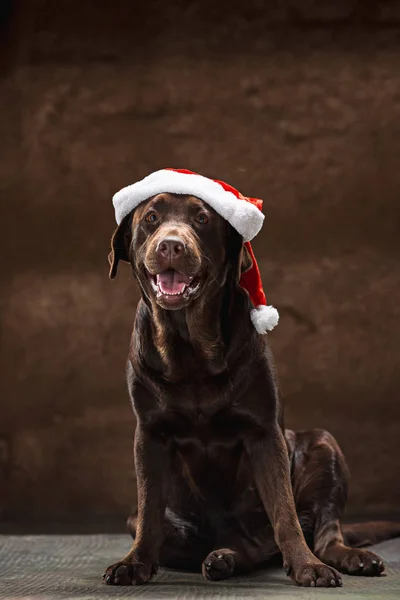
44 567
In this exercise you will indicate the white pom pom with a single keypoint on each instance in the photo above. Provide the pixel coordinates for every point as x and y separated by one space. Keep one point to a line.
264 318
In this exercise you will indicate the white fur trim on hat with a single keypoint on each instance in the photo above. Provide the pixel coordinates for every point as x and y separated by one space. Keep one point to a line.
264 318
245 217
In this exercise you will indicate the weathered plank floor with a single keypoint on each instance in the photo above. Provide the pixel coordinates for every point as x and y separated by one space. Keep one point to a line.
44 567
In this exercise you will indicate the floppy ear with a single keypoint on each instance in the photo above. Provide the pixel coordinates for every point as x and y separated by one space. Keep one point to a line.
119 245
245 261
240 257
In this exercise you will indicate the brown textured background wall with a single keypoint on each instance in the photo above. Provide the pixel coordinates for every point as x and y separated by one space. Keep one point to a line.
298 104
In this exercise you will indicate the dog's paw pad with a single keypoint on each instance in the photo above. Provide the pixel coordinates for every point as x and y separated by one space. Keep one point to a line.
219 565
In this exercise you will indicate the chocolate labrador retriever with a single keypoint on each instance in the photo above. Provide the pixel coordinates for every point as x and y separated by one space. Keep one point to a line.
221 483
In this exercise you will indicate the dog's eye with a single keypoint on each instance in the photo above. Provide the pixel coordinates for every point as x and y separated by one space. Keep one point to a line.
202 218
151 217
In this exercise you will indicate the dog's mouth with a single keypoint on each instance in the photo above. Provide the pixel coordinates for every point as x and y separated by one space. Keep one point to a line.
173 287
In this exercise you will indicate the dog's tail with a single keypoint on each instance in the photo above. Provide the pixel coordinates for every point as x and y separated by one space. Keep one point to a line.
358 535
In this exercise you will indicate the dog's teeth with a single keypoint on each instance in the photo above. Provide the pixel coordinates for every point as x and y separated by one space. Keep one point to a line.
162 293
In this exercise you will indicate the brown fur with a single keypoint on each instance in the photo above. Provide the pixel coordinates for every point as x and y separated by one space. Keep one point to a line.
221 483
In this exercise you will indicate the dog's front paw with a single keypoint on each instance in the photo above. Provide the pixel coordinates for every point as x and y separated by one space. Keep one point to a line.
128 572
314 574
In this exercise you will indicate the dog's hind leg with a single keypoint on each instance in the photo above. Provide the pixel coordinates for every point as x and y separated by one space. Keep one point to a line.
320 480
185 543
237 558
185 546
223 563
243 543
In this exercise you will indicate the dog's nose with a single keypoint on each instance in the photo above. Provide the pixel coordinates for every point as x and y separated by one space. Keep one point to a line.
171 247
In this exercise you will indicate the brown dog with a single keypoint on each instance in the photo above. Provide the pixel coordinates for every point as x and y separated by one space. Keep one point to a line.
220 482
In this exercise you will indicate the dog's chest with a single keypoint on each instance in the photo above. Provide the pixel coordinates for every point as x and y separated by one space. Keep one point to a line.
201 416
185 427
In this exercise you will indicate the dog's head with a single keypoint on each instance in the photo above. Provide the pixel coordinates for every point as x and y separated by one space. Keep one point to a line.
179 249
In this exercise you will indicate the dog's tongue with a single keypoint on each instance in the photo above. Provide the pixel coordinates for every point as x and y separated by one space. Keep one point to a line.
172 282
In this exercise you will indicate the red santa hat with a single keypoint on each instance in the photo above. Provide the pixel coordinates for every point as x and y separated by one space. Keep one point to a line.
244 214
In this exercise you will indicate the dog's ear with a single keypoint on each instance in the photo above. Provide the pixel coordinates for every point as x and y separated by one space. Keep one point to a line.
238 253
120 243
245 261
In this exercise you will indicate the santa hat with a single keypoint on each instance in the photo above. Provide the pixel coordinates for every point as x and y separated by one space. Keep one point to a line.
244 214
